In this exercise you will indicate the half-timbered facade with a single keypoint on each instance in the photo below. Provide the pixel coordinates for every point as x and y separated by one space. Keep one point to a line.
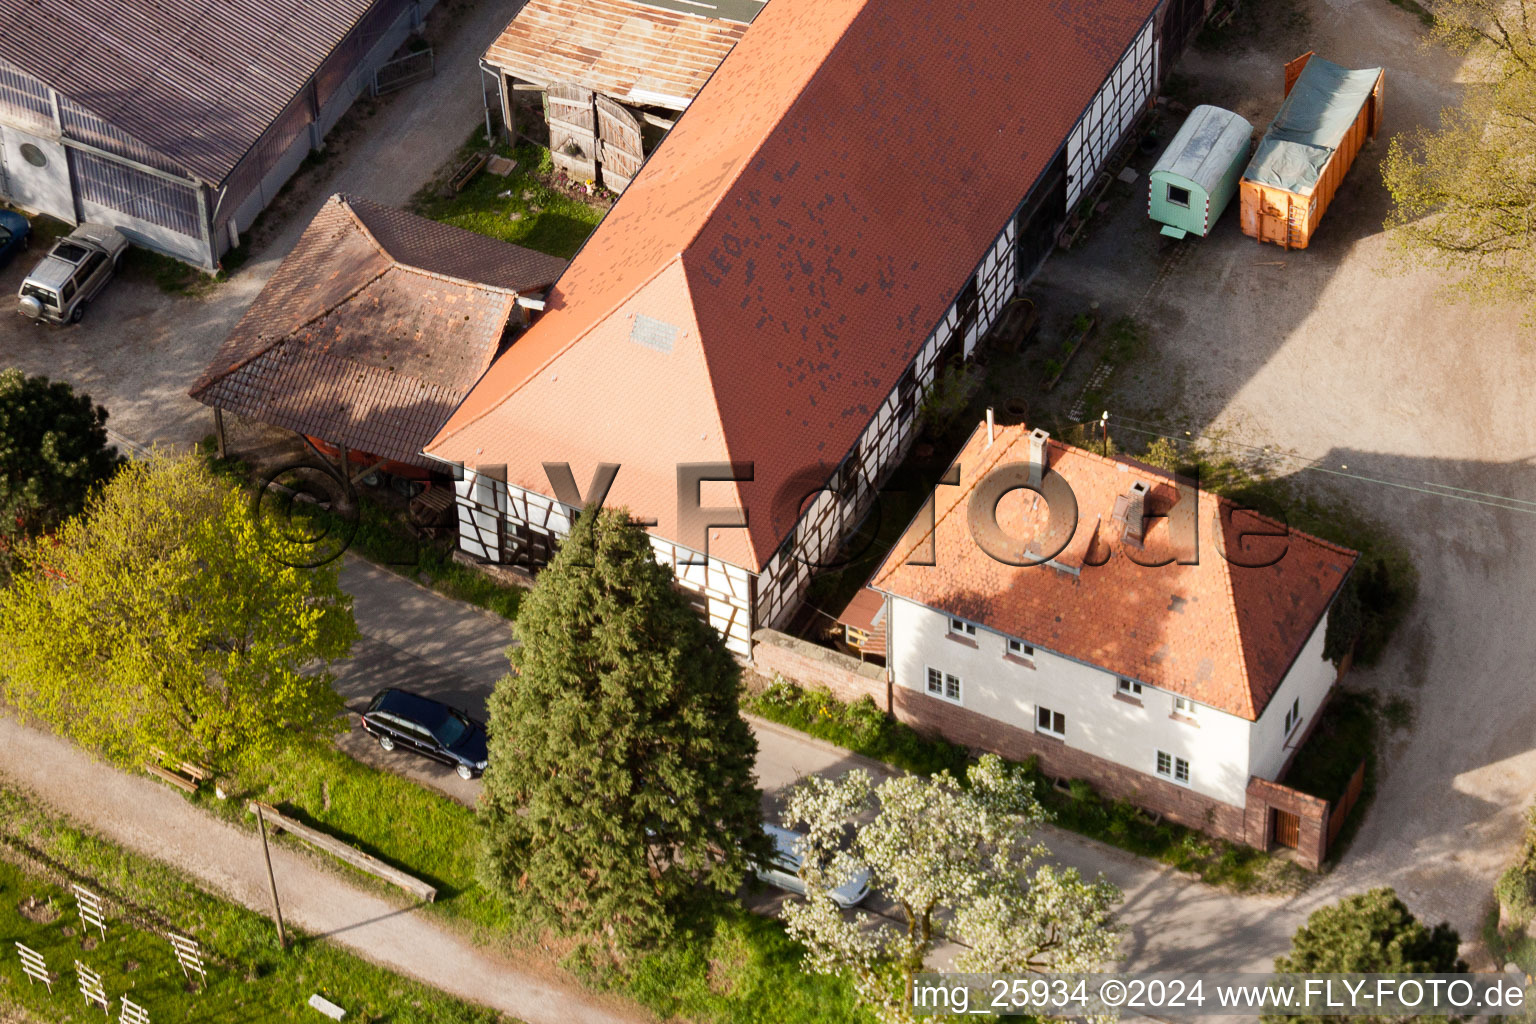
775 292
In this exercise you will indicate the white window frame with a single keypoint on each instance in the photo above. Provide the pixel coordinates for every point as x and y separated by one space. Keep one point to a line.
1293 716
959 627
1054 724
1024 650
947 681
1186 707
1128 687
1171 767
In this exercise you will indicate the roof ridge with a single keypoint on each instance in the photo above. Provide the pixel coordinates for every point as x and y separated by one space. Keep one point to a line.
966 488
741 165
546 364
1235 622
714 406
208 381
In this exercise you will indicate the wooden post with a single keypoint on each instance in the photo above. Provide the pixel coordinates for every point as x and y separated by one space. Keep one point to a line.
218 429
508 106
277 910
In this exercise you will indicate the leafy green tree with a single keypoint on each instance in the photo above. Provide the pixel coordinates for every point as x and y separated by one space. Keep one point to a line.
162 617
1465 195
1367 933
933 847
53 453
620 789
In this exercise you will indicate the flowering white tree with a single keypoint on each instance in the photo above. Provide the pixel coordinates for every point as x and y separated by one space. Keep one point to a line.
934 847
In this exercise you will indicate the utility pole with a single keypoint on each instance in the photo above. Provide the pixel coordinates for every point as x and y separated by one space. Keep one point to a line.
277 910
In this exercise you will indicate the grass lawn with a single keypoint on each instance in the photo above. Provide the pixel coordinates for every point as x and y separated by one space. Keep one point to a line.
520 208
864 729
249 978
1344 736
382 537
734 968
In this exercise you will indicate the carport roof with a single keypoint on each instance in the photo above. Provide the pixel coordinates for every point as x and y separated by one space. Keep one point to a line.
647 54
196 80
373 328
1223 631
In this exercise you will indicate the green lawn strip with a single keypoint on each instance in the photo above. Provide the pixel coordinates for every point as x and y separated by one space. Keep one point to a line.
862 728
519 208
249 978
735 967
381 536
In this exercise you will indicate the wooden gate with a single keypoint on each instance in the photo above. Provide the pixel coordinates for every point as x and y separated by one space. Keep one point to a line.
619 146
1286 828
572 130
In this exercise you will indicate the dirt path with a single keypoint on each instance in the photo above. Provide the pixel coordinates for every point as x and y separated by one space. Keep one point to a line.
153 820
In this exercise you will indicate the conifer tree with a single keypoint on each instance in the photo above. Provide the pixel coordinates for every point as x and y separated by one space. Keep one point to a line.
620 789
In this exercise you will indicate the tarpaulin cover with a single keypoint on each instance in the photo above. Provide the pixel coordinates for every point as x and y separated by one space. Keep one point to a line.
1323 104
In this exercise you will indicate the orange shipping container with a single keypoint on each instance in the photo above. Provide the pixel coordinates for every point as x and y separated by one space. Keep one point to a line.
1328 114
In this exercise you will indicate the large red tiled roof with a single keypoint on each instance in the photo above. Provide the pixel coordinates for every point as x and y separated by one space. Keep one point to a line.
367 335
797 237
1220 633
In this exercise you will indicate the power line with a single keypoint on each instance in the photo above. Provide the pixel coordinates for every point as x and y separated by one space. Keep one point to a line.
1449 491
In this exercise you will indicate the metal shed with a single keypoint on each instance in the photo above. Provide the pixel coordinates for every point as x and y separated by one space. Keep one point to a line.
613 74
178 123
1329 113
1197 174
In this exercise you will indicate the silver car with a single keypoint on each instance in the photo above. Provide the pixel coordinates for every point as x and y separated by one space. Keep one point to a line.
73 273
783 870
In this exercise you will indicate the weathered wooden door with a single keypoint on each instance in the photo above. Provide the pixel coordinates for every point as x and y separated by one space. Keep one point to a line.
620 152
1286 828
572 130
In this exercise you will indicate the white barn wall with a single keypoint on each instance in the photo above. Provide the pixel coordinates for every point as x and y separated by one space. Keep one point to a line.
1097 721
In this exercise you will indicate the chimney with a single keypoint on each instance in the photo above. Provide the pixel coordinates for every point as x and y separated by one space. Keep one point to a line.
989 426
1039 447
1136 512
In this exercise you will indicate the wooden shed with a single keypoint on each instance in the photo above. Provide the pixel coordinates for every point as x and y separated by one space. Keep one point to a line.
1197 174
614 74
1328 114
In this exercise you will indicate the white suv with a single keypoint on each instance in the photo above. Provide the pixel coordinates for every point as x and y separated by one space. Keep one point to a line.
72 274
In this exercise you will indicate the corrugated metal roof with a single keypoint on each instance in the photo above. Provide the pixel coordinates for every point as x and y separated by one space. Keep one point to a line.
1206 144
198 80
615 47
367 335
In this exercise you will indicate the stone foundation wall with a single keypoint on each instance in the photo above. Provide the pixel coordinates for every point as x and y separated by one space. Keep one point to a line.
812 665
1177 803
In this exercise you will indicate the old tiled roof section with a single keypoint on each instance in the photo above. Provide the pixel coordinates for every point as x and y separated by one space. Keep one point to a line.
1223 634
368 334
620 49
803 227
197 80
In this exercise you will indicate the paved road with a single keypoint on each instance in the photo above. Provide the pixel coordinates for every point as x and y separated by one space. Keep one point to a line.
414 637
155 820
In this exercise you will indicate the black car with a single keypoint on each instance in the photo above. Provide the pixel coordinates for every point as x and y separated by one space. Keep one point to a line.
427 727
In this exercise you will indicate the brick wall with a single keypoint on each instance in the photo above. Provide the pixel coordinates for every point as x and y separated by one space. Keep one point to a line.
1177 803
812 665
1264 797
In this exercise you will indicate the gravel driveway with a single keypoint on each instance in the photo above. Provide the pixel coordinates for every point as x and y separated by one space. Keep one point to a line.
139 349
1338 356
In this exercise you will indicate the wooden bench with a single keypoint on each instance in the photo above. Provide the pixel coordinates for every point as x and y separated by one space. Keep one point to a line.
181 782
347 854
